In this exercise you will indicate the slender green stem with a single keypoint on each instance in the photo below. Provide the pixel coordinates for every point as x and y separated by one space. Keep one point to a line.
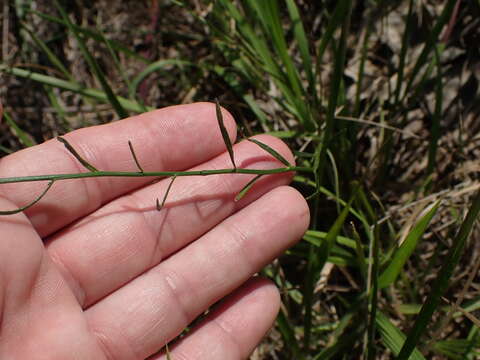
30 204
57 177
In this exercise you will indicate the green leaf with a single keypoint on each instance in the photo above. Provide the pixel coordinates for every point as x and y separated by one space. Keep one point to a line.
247 187
224 132
92 63
160 205
51 56
406 249
431 42
362 262
392 337
135 156
456 348
403 52
37 199
153 67
302 41
336 88
271 151
288 333
317 237
77 156
91 34
71 86
21 135
442 280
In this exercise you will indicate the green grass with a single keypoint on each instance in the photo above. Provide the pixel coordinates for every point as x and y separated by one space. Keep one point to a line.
362 92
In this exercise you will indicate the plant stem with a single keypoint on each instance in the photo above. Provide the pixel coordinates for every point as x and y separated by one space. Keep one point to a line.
57 177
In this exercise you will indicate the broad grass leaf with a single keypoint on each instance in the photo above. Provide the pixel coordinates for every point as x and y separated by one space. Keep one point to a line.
406 249
392 337
442 281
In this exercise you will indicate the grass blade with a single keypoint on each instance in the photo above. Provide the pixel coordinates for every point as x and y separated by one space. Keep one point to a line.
271 151
153 67
21 135
247 188
392 337
336 86
71 86
318 262
51 56
334 22
135 156
161 205
341 346
77 156
403 52
301 38
372 290
91 34
92 63
401 256
224 132
288 334
430 43
442 281
437 115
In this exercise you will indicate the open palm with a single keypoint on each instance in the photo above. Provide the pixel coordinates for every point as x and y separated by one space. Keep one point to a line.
94 271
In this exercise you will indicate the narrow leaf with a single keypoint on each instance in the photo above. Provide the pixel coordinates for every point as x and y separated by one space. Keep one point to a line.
37 199
406 249
469 316
288 334
442 280
430 43
93 65
362 262
135 156
95 35
153 67
77 156
72 86
24 138
224 132
392 337
160 205
247 188
50 54
271 151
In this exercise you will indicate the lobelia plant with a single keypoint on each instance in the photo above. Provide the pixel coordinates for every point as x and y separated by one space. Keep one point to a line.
94 172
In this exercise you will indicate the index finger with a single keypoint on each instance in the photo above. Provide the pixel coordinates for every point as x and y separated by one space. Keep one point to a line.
172 138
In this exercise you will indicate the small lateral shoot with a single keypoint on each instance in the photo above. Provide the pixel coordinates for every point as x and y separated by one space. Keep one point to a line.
247 188
224 132
77 156
135 157
160 205
30 204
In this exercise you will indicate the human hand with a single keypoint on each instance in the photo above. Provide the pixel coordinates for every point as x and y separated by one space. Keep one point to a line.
94 271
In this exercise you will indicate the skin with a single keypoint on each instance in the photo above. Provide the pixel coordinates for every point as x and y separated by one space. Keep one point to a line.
94 271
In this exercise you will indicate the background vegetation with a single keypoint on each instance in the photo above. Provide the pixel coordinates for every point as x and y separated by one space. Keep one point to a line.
378 98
